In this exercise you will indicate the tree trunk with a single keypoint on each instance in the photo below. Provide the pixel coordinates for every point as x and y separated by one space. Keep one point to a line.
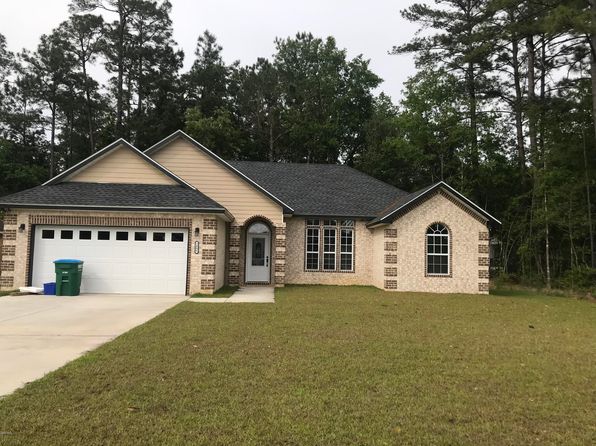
52 139
532 96
120 63
546 239
592 43
589 204
271 142
88 107
471 83
519 122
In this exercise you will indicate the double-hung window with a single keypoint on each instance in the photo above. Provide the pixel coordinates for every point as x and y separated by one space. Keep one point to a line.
329 245
312 245
346 259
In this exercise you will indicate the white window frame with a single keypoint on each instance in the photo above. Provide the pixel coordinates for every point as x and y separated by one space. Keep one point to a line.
341 249
447 255
334 252
317 252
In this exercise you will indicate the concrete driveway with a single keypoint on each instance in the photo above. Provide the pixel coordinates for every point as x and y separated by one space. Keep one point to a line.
39 334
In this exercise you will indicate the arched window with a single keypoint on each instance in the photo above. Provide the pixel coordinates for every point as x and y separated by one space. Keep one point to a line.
258 228
437 250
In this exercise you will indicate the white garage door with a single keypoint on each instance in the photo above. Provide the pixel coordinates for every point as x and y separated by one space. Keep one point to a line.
117 260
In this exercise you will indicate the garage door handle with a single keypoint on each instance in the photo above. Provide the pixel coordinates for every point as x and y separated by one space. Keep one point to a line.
266 260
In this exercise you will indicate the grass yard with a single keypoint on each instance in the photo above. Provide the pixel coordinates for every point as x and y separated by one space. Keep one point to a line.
326 366
5 293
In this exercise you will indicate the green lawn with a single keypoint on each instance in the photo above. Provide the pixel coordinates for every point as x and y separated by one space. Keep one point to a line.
329 366
5 293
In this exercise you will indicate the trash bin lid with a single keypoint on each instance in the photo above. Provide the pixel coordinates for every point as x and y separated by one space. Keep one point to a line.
68 261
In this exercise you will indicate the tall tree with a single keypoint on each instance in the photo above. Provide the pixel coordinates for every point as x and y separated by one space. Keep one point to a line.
208 80
462 47
49 70
117 49
327 99
83 35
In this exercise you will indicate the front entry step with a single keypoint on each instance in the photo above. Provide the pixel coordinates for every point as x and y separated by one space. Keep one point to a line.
248 294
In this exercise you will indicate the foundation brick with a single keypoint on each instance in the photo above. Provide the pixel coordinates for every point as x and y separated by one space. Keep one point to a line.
6 281
483 274
483 287
391 284
391 272
207 284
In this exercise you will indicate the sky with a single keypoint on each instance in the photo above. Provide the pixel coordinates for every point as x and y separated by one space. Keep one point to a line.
247 29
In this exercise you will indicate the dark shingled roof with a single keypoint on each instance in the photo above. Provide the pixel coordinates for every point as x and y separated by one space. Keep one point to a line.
322 189
76 195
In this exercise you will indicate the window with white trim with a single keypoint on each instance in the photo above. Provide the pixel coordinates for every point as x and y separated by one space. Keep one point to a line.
346 260
312 245
329 245
437 250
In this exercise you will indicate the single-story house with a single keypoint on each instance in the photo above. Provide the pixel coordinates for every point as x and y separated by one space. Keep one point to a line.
178 219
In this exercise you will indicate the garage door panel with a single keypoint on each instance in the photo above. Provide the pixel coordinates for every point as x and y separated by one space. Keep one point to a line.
116 266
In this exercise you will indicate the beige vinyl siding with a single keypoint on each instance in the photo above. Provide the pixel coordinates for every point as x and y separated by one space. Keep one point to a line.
217 182
121 165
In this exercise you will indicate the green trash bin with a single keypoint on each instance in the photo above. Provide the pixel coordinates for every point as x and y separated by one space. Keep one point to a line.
69 273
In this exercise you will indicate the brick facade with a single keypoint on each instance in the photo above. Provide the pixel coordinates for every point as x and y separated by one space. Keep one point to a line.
390 257
236 255
468 238
14 267
295 252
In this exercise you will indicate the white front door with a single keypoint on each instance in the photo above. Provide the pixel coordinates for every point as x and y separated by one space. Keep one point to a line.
117 260
258 253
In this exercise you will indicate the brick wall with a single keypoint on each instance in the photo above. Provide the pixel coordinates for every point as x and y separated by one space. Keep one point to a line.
8 251
16 246
237 252
404 242
295 252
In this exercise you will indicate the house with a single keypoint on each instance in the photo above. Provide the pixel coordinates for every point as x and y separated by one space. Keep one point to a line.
177 218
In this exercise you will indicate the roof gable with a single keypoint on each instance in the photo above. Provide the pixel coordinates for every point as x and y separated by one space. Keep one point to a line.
119 162
404 204
179 134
